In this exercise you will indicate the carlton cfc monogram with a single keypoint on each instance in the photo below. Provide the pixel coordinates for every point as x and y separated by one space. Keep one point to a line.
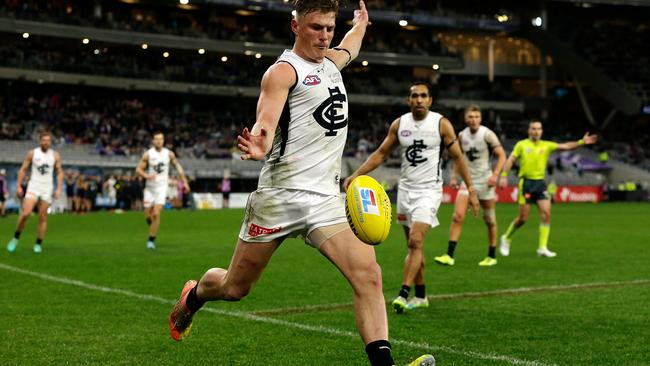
326 115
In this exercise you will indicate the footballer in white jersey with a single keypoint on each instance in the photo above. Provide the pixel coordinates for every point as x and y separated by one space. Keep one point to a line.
422 135
44 163
154 168
478 143
301 128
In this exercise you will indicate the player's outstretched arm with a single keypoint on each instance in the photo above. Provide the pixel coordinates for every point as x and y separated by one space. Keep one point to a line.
142 165
22 172
378 156
587 139
276 82
451 144
179 169
59 175
350 45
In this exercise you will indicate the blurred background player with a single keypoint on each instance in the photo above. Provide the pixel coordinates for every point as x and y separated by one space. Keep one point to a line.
478 143
4 192
533 154
44 163
154 168
225 187
298 191
422 135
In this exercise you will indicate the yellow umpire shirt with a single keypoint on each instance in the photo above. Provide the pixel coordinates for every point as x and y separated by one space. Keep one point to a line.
533 157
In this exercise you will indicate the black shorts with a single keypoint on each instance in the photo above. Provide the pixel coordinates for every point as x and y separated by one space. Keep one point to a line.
2 197
532 190
226 195
81 193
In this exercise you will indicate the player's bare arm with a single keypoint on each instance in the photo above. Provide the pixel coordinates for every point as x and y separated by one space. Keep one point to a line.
59 175
22 172
450 141
350 45
587 139
180 171
453 180
500 154
378 156
142 165
276 82
503 177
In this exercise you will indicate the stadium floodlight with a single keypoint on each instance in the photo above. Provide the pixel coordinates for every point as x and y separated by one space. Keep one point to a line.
403 22
96 51
85 41
502 18
201 51
364 63
144 46
435 66
258 55
184 2
294 13
165 54
25 35
224 58
536 22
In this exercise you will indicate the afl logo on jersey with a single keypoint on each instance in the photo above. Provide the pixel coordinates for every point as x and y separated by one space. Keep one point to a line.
311 80
406 133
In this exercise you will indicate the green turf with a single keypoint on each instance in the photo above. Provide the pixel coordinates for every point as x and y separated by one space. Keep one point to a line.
50 323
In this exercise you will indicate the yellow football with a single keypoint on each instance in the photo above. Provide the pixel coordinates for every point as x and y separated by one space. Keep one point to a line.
368 209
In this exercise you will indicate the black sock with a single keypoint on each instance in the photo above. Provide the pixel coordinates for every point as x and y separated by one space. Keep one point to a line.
451 248
492 252
404 292
39 241
379 353
193 302
420 292
152 239
17 235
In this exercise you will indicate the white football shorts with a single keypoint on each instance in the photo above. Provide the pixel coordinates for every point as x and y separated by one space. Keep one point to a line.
155 196
39 192
273 213
420 206
483 192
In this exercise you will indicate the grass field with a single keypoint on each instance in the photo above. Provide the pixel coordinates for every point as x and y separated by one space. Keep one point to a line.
97 296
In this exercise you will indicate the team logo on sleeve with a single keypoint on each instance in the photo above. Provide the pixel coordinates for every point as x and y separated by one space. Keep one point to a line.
369 201
311 80
412 153
327 114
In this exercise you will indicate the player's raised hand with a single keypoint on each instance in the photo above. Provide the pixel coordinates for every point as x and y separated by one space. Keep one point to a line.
361 15
590 139
252 146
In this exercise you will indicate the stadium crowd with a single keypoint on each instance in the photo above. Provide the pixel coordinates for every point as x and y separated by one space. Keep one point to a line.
222 25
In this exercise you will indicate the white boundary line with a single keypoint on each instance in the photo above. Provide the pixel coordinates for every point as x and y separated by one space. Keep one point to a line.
247 316
465 295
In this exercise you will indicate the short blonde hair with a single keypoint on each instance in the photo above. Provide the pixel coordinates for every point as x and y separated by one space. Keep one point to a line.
472 108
